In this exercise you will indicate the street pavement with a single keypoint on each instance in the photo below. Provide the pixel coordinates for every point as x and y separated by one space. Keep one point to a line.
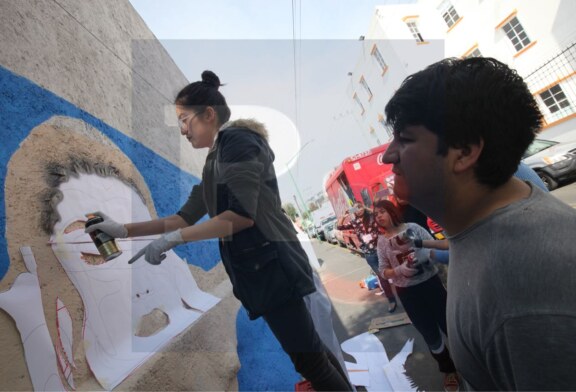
355 307
567 194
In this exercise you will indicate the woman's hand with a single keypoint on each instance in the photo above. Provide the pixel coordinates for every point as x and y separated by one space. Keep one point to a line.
405 271
108 226
154 251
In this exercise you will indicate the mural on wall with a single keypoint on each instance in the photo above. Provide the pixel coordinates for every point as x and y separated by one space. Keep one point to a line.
46 140
131 310
58 163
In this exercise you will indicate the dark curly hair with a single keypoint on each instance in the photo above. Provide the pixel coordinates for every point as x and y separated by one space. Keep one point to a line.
203 94
464 101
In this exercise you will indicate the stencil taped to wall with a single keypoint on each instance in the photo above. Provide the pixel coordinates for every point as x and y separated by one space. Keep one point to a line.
121 300
23 302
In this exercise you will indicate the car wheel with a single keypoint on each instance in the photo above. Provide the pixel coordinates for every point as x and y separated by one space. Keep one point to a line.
550 183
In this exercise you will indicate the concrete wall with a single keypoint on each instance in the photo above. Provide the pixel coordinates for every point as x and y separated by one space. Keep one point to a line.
91 73
100 56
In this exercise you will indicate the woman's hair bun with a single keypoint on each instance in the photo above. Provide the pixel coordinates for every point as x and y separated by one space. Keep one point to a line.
211 79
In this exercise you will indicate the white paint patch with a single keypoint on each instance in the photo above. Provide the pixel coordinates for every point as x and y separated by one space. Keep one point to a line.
23 302
117 295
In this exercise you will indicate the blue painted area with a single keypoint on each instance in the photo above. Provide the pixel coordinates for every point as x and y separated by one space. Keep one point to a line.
25 105
264 366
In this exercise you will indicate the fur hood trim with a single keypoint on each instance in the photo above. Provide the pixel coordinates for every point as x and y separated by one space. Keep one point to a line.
249 123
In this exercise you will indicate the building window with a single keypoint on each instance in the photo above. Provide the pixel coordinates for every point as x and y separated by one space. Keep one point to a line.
555 99
366 87
386 127
448 13
475 53
357 99
378 56
516 34
374 135
413 26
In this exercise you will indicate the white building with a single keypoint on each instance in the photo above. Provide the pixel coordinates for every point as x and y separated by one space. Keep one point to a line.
535 37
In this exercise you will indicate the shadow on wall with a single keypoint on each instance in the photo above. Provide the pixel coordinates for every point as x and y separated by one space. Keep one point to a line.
24 105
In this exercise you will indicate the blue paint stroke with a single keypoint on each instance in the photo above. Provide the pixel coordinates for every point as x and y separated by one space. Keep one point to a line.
25 105
264 366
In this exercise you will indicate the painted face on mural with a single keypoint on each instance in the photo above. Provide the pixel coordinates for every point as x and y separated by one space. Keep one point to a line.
120 299
197 126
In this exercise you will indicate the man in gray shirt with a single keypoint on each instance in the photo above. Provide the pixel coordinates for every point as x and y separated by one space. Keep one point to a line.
460 129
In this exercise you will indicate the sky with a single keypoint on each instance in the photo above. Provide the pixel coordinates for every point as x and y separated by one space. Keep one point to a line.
285 63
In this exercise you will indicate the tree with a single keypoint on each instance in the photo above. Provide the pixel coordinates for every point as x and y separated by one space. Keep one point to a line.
290 211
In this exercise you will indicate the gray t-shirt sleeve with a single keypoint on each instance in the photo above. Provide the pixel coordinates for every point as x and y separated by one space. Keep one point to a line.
533 352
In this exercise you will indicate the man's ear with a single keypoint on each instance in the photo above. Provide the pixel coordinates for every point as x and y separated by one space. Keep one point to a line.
466 157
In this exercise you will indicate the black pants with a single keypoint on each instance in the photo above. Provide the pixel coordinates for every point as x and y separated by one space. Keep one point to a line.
293 327
425 304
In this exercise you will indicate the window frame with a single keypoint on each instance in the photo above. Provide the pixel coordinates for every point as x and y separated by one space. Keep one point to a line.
446 8
412 24
356 98
389 131
516 30
553 96
469 53
375 52
366 88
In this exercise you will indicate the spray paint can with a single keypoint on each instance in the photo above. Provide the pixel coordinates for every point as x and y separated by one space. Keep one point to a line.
105 244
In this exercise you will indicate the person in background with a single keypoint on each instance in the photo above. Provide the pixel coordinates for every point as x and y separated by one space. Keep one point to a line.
417 283
461 127
362 221
526 173
267 266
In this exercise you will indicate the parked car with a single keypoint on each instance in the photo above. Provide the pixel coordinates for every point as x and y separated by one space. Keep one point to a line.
555 162
321 230
330 233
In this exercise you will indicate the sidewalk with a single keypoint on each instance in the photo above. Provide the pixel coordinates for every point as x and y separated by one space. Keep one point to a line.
355 308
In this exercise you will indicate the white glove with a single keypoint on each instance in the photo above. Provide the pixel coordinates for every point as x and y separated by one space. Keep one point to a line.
409 236
108 226
405 270
154 251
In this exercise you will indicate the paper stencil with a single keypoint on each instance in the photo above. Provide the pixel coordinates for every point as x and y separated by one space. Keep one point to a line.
23 302
117 295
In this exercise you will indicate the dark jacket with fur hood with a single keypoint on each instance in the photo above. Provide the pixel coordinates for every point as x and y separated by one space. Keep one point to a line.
266 263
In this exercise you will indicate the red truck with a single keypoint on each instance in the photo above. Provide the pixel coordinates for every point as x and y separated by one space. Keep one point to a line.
360 178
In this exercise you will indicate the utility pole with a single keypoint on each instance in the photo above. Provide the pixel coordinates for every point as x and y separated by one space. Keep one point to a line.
294 181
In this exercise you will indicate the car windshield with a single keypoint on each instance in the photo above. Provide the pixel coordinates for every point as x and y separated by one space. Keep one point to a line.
332 218
330 226
537 146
